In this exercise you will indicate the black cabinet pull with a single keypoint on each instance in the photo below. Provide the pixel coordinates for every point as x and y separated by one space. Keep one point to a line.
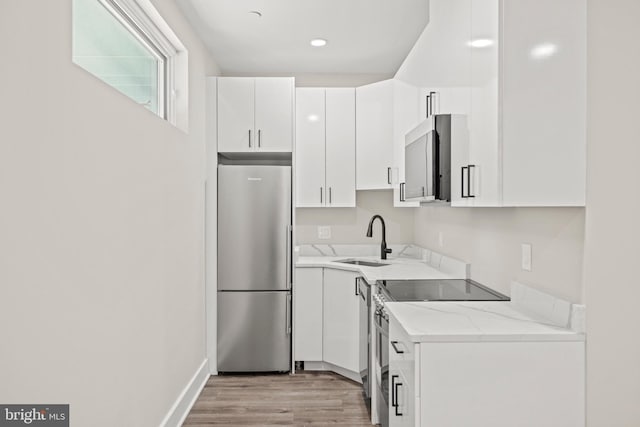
402 195
397 405
462 181
357 293
394 345
389 176
394 396
427 106
469 181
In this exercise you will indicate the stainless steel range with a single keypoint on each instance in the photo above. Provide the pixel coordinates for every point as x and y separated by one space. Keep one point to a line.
412 290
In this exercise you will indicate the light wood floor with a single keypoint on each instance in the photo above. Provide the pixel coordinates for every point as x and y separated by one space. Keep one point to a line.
305 399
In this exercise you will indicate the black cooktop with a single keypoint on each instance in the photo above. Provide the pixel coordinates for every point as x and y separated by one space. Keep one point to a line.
439 290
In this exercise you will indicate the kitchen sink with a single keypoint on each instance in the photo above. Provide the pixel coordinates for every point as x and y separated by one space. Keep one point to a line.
362 262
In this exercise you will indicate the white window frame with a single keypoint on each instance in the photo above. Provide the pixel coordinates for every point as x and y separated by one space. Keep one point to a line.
142 21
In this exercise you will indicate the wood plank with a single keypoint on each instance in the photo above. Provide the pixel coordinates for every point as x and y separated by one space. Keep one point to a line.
304 399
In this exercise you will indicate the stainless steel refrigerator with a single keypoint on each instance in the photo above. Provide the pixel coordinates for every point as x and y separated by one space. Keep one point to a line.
254 268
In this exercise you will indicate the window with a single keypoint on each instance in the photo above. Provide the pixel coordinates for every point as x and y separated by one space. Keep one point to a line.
118 42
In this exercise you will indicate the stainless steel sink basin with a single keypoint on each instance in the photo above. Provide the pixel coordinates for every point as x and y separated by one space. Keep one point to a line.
362 262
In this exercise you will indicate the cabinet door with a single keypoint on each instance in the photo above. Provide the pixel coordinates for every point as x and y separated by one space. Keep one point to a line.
274 114
402 369
340 323
374 136
307 314
310 147
484 145
544 120
405 118
235 114
401 399
341 147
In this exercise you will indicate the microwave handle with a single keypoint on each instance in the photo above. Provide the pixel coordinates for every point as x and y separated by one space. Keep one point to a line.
462 169
469 180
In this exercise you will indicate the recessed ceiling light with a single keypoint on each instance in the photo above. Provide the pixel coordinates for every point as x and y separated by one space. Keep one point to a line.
543 50
256 13
480 43
318 42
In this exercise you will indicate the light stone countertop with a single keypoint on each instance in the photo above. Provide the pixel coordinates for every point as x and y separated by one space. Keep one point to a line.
486 321
397 268
407 262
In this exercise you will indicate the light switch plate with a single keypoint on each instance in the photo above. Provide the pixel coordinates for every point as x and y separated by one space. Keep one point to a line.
324 232
526 257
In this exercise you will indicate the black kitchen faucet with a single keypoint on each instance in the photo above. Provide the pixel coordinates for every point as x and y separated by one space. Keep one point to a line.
383 245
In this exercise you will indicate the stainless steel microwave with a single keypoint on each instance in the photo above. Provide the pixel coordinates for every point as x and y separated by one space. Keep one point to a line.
427 157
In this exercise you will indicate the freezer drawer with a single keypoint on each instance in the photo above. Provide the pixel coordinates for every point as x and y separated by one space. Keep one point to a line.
254 331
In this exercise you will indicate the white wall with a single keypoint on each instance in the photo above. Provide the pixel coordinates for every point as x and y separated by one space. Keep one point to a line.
101 230
349 225
490 239
613 213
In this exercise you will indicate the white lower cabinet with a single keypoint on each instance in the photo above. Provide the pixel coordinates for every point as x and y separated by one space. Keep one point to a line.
402 369
485 384
307 314
340 323
326 318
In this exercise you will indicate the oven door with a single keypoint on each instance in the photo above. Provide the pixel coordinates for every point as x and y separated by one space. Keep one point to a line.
365 338
381 321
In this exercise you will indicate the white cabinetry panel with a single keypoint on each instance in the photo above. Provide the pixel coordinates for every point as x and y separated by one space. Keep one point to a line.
310 150
274 114
307 297
544 102
255 114
235 114
374 136
341 147
341 317
502 384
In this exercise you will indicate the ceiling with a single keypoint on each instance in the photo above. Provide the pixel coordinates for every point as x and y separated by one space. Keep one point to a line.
364 36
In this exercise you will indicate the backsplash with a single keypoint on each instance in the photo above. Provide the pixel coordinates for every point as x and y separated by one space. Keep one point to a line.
490 240
349 225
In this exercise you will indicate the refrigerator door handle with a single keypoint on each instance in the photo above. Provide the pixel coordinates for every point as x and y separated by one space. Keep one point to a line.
287 320
288 258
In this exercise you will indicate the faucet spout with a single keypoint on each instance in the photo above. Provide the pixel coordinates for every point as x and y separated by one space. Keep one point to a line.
383 245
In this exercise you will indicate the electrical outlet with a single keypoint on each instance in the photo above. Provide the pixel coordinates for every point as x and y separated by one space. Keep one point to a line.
324 232
441 239
526 257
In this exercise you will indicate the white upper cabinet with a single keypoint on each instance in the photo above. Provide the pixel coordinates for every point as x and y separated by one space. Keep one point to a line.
519 72
543 66
325 149
341 147
255 114
310 147
235 114
374 136
405 117
274 113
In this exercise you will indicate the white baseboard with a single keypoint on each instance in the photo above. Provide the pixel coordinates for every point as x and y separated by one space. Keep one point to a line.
326 366
180 409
